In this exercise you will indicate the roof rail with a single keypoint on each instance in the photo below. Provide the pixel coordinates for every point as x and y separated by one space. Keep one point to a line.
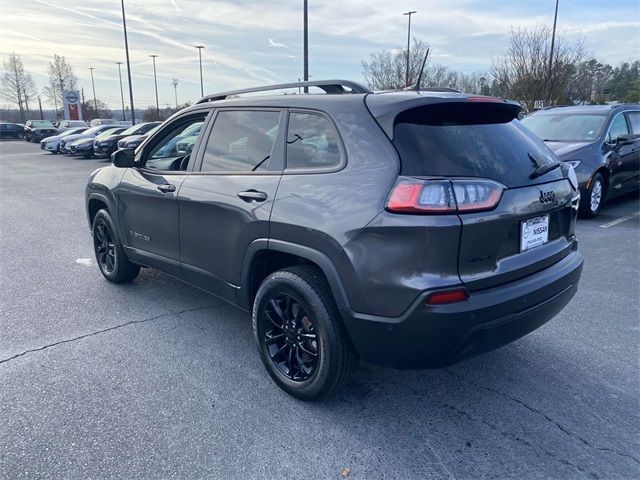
329 87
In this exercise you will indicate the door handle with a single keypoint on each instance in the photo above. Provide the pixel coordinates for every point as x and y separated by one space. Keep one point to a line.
167 188
252 196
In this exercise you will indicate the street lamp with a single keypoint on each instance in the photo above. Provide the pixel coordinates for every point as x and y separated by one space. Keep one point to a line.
124 116
200 47
155 81
174 82
305 21
409 13
126 48
93 85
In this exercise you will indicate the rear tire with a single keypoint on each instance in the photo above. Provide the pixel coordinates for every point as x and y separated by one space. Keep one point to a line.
300 336
593 198
110 255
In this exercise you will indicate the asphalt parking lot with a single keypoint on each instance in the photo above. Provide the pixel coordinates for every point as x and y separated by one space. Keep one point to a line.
157 379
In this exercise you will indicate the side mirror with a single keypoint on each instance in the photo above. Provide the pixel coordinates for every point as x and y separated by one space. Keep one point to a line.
123 158
625 140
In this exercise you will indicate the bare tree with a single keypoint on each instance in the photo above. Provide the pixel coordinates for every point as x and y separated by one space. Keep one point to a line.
61 77
523 72
17 86
386 69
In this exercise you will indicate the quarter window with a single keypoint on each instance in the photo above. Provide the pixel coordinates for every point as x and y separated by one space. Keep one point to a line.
618 127
241 141
312 142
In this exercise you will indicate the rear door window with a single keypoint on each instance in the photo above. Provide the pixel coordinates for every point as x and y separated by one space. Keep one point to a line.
312 142
460 140
634 122
241 141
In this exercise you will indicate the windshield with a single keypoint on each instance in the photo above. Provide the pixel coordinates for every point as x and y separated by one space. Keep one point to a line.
111 131
72 131
565 127
42 124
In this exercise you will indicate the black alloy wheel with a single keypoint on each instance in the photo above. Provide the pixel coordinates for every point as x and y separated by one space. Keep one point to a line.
290 337
105 247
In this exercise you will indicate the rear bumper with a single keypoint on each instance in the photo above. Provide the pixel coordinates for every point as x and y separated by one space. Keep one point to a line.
437 336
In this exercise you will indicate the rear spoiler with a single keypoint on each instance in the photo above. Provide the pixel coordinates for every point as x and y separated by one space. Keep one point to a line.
386 109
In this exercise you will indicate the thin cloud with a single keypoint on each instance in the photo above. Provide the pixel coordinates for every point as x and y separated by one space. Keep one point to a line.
273 43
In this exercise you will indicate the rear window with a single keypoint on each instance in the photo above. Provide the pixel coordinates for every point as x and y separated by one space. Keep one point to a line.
463 140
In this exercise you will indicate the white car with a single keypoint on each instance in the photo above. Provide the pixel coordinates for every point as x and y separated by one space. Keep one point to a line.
89 133
67 124
52 144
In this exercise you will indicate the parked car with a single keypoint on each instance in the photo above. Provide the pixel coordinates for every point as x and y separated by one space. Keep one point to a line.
410 229
106 145
103 121
11 130
85 146
602 142
134 141
36 130
92 132
52 144
67 124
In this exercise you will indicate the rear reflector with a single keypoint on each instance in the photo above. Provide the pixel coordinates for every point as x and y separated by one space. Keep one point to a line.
449 296
412 195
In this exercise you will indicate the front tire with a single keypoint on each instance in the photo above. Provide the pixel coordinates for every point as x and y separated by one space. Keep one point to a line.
110 255
593 198
300 336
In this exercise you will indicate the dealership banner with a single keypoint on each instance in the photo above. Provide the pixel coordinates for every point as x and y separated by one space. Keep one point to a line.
71 104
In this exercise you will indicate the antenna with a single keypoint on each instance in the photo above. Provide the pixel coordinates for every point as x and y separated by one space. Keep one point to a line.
416 86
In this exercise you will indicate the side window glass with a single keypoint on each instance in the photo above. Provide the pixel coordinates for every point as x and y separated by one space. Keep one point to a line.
618 127
634 120
172 152
241 141
312 142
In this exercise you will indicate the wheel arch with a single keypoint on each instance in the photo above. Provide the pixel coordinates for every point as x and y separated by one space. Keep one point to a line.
95 202
266 256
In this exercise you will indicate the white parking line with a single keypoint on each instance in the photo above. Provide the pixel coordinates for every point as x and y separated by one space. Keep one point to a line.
619 220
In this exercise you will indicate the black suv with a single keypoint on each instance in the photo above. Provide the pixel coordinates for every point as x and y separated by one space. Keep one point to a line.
602 142
410 229
36 130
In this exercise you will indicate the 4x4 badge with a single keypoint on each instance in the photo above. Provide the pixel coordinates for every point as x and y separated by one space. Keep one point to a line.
549 196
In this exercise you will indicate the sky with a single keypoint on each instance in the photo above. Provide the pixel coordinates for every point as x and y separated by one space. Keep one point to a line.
250 43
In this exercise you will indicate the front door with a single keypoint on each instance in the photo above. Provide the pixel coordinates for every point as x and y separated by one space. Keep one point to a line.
148 207
621 157
226 203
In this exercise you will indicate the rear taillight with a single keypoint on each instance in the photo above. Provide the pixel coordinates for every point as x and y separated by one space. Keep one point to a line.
448 296
411 195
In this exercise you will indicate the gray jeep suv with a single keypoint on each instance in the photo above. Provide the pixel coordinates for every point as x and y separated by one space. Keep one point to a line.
409 229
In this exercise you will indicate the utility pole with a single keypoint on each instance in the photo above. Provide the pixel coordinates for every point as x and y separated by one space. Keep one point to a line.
174 82
93 85
124 116
126 47
155 81
82 90
409 13
200 47
306 43
40 105
553 41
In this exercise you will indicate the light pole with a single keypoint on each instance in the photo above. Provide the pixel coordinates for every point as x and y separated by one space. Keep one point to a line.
409 13
155 81
305 21
553 41
124 116
200 47
93 86
126 48
174 82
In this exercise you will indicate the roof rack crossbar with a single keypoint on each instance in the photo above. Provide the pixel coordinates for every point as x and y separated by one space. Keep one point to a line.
329 87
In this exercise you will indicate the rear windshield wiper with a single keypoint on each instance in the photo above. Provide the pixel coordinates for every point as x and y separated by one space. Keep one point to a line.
544 169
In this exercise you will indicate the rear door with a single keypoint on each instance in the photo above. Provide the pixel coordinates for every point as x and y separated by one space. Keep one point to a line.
622 158
226 204
531 226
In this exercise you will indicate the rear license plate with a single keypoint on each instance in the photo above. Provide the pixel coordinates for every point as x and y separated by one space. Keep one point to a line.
534 232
